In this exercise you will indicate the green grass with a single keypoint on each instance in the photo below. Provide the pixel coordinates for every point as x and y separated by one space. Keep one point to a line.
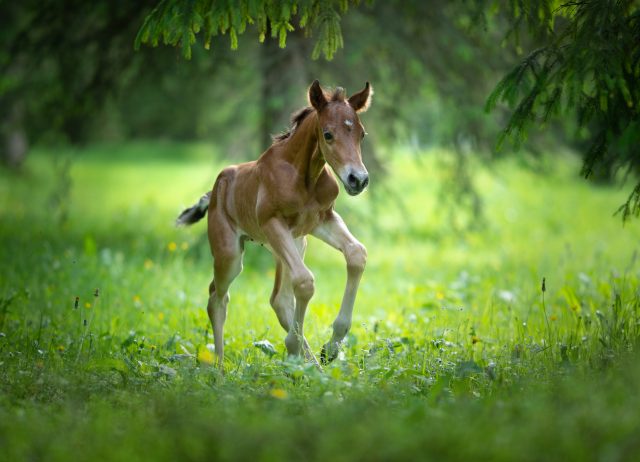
455 351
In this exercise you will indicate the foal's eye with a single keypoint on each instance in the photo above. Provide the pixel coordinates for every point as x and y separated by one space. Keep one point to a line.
328 136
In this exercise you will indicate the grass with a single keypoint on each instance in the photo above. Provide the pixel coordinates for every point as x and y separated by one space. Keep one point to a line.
455 352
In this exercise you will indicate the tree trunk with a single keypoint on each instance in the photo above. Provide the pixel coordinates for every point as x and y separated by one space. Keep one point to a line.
14 143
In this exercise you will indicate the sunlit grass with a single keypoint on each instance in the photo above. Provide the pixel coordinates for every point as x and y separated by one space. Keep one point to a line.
104 331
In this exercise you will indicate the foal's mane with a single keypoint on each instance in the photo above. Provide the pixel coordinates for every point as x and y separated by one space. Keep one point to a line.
296 119
337 94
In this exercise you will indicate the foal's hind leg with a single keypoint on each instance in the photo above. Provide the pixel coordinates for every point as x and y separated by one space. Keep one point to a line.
227 255
283 299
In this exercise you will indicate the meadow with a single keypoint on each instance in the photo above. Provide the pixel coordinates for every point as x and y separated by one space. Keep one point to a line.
458 349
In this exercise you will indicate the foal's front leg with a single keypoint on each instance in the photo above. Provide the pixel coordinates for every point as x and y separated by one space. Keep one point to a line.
334 232
284 246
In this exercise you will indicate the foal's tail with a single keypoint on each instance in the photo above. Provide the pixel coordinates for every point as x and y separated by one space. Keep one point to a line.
196 212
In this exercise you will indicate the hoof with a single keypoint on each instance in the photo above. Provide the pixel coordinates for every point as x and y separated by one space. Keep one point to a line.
325 356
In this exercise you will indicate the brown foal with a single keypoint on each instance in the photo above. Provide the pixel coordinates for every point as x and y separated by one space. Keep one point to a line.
277 200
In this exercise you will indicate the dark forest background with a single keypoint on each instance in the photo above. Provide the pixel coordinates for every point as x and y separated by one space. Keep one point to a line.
481 78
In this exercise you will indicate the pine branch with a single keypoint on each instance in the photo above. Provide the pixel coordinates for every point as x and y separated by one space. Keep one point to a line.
631 207
592 61
181 22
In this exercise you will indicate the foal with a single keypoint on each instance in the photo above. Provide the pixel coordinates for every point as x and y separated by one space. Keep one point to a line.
277 200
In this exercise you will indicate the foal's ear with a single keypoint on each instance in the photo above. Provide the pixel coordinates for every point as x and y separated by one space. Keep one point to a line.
316 96
361 101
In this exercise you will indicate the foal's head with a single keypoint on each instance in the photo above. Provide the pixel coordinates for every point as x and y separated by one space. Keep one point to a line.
340 133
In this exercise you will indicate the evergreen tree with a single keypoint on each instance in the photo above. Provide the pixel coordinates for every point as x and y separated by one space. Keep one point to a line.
59 60
588 66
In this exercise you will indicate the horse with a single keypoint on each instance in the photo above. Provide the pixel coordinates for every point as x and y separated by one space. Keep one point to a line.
279 199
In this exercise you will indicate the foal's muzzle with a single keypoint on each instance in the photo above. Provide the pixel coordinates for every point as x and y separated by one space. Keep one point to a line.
356 182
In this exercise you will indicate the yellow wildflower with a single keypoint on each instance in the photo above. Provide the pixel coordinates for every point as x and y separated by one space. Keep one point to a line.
279 393
205 356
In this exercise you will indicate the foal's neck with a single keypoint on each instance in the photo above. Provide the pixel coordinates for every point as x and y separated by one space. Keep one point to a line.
303 150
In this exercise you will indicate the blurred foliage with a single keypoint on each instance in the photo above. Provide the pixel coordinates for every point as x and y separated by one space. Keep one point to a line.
59 59
226 96
587 65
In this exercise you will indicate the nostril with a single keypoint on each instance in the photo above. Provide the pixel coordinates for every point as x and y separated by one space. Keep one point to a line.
352 180
365 183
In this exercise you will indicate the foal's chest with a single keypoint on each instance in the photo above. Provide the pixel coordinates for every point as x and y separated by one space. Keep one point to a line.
306 219
309 212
